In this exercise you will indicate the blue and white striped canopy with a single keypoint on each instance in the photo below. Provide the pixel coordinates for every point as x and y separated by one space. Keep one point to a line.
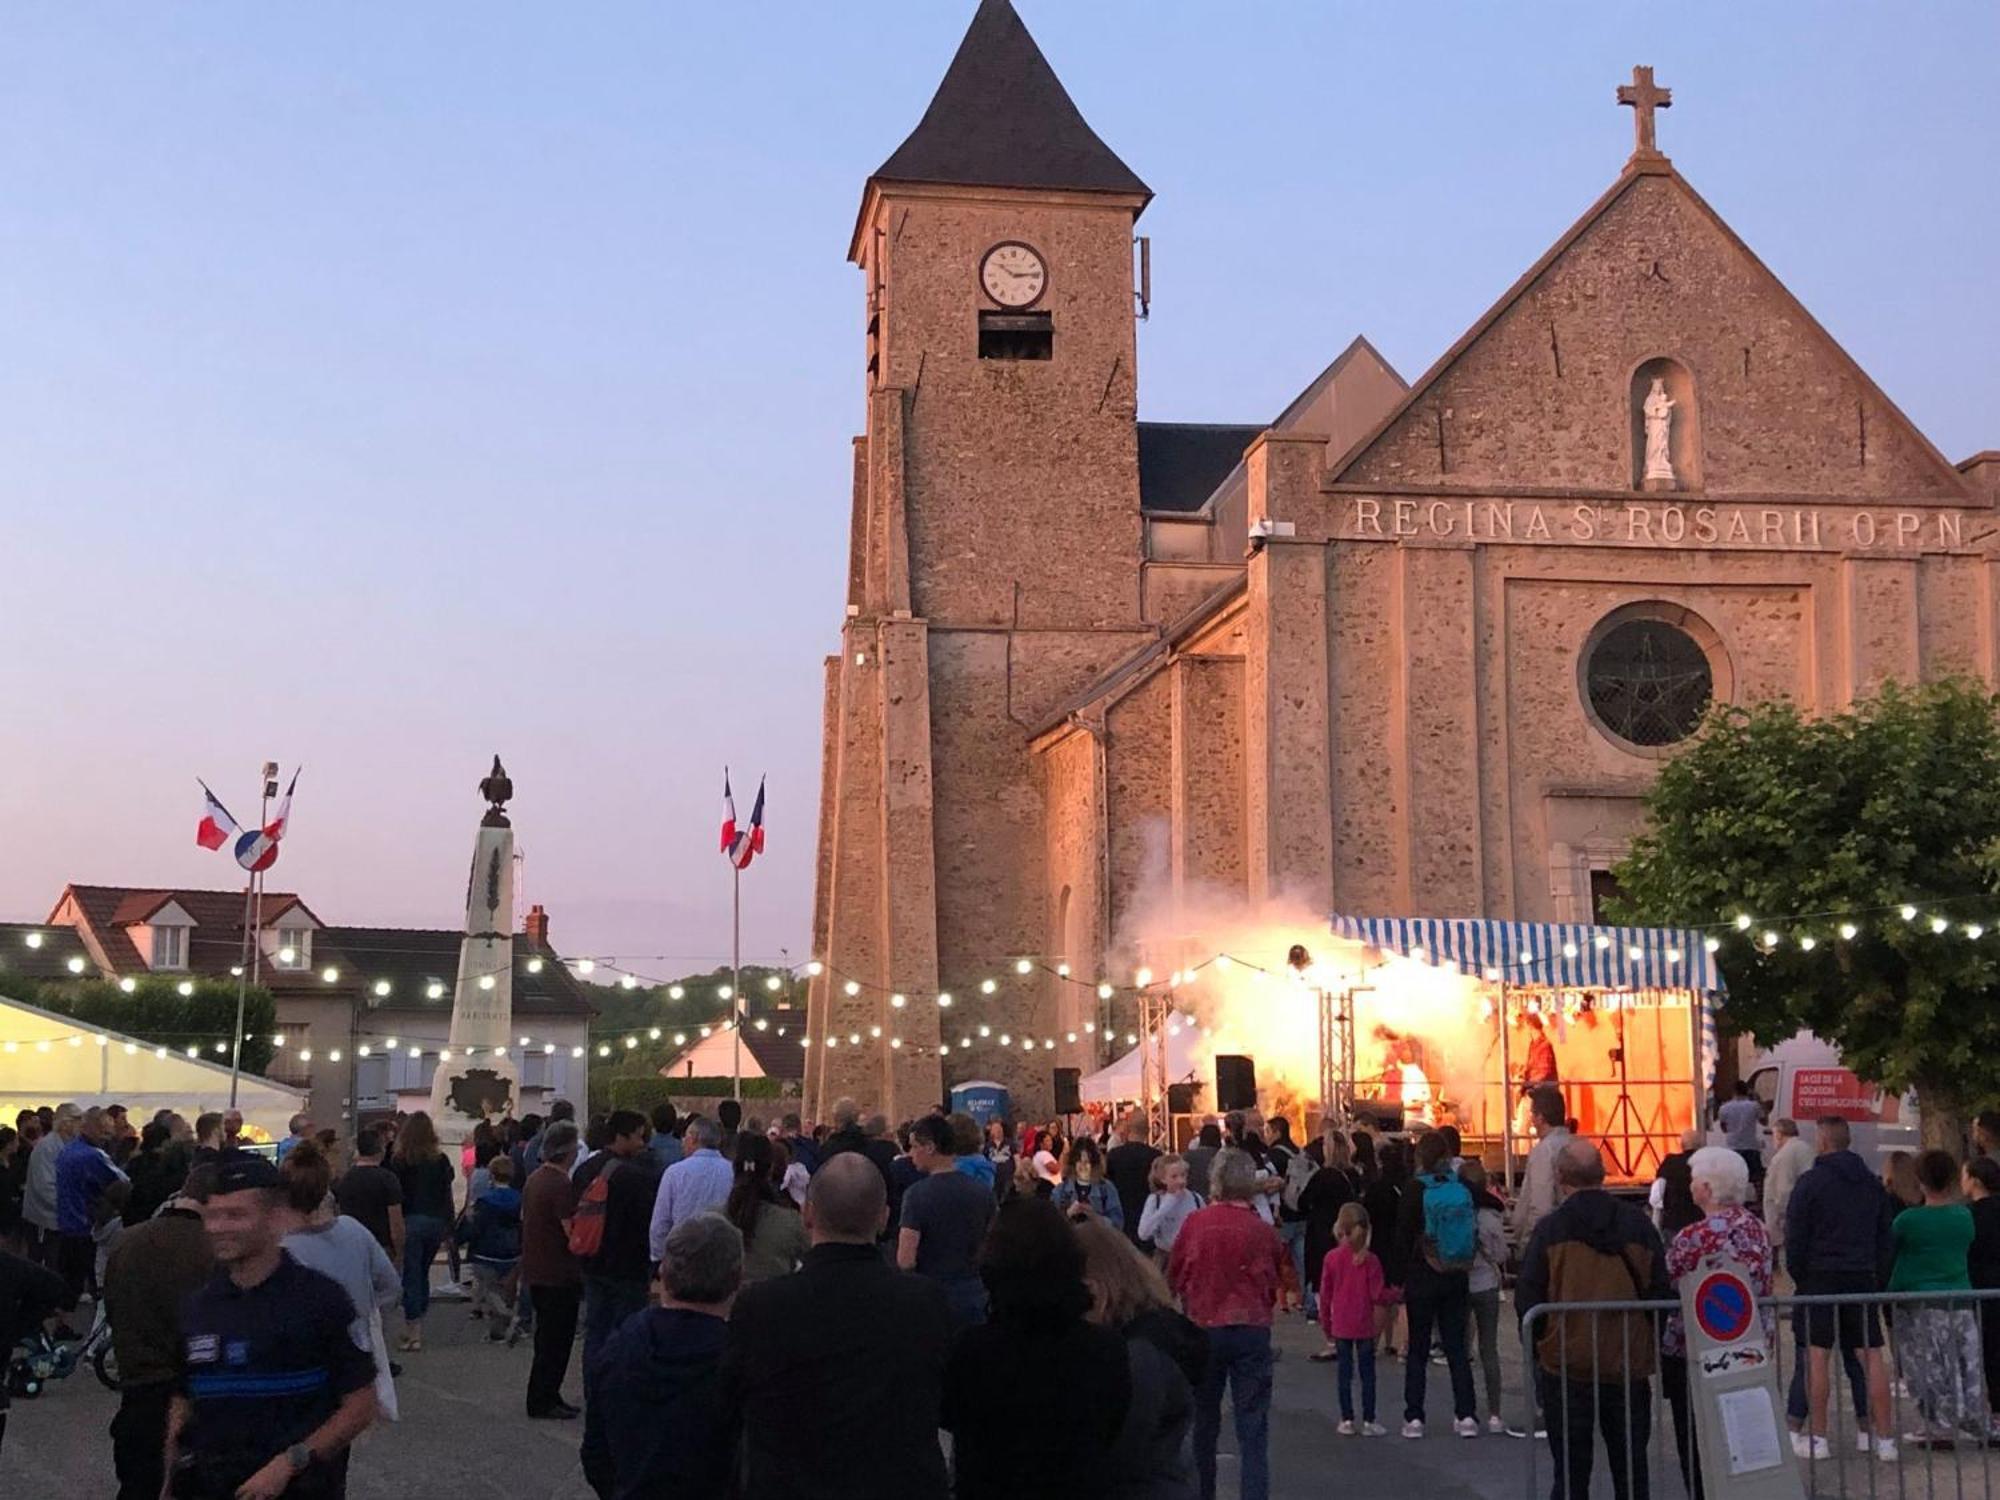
1556 954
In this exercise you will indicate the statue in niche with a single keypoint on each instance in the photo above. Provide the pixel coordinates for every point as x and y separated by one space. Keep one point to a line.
1658 411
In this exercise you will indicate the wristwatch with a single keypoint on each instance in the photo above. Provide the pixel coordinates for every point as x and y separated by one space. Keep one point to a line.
300 1457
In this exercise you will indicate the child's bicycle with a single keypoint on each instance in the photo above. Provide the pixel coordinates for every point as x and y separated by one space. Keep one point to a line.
38 1359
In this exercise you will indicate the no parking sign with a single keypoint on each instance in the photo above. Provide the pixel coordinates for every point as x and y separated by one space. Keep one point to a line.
1723 1306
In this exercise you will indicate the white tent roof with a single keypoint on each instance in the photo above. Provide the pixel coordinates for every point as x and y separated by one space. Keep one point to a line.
1120 1079
713 1057
46 1058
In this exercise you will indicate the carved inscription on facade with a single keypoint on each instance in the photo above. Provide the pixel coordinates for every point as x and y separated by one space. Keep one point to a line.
1800 528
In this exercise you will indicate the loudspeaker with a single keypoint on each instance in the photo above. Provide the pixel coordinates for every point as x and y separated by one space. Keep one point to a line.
1235 1082
1180 1098
1068 1101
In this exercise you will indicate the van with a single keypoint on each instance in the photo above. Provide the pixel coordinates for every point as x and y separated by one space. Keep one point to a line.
1803 1078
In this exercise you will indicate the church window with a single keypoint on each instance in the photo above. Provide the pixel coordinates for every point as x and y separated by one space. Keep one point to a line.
1029 335
1650 672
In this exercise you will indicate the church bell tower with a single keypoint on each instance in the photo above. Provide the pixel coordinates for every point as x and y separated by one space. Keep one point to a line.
994 559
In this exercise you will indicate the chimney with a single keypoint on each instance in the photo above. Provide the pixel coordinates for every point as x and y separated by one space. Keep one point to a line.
535 926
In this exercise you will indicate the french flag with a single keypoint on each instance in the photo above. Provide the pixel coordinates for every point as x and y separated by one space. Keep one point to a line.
741 845
275 829
216 825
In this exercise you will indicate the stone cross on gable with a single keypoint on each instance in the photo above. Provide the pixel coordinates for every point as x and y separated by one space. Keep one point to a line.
1644 98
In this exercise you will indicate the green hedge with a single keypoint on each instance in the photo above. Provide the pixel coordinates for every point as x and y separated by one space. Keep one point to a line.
157 1012
643 1094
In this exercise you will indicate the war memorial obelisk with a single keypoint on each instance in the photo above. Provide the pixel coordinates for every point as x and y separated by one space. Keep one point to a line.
479 1077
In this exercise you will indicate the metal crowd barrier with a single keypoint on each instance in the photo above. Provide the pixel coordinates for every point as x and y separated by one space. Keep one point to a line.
1936 1381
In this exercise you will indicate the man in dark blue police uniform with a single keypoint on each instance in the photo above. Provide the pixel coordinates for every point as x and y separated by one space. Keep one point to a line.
273 1387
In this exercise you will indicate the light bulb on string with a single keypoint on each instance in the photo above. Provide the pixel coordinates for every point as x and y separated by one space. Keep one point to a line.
1744 921
897 1002
1974 931
987 986
1939 925
944 999
1909 913
773 983
1711 945
1808 942
1024 966
1848 932
852 988
1062 970
1104 992
815 968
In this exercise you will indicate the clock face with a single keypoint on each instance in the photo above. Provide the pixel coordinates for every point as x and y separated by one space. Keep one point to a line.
1013 274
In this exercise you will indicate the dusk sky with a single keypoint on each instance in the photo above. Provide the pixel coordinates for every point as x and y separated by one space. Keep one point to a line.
385 385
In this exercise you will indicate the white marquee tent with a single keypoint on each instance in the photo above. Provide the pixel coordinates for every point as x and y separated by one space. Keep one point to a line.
46 1058
1120 1079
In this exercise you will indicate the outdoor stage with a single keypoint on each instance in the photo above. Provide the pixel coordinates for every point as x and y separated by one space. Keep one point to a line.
1405 1023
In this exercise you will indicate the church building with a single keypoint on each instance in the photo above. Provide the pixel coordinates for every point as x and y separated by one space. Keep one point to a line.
1410 648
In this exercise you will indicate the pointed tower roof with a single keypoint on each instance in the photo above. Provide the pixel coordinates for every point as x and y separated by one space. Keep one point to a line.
1001 118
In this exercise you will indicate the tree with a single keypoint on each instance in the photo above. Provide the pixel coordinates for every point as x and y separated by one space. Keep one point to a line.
1816 828
156 1011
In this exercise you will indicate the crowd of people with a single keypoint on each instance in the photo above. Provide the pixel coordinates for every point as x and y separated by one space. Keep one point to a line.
750 1295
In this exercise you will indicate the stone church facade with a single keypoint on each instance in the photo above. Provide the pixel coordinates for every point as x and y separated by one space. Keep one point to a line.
1405 649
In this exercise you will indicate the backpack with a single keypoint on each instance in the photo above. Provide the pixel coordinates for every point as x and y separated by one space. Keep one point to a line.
1298 1172
586 1226
1586 1345
1451 1224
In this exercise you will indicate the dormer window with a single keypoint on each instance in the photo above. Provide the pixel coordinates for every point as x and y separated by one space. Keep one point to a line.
170 946
294 948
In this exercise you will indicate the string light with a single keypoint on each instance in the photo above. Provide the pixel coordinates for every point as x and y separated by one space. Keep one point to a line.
128 984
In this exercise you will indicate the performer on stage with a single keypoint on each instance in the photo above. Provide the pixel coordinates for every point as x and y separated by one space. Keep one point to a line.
1538 1069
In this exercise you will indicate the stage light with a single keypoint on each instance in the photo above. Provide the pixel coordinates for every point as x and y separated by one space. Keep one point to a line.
853 987
1104 992
1939 924
987 986
1909 913
897 1002
1023 966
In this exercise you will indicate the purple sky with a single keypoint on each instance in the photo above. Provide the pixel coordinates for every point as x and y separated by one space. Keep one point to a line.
382 386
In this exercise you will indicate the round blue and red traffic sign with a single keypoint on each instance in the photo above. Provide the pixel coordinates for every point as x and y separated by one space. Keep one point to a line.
1724 1307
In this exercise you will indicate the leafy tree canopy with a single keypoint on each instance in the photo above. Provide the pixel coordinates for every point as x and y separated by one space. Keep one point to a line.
1805 825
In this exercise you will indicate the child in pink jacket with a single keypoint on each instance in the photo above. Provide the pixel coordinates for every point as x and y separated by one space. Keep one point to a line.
1350 1289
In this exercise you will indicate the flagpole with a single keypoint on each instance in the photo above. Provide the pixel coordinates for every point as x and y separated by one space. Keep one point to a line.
242 982
736 980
